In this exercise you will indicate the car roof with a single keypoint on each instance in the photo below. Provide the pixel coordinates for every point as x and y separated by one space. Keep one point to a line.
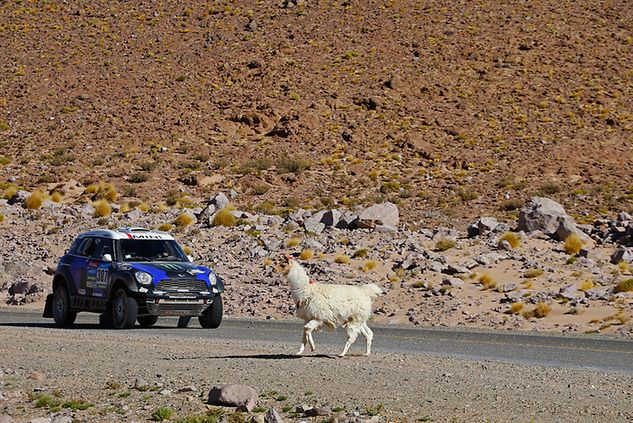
128 233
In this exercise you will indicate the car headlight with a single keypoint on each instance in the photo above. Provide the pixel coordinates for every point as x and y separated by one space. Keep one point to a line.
143 278
212 278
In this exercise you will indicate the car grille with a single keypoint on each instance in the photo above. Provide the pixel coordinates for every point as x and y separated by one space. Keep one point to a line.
195 285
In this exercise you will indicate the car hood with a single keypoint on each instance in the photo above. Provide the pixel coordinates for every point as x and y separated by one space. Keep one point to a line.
172 270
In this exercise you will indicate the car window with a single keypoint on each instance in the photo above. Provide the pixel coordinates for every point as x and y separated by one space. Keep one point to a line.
150 250
86 247
102 246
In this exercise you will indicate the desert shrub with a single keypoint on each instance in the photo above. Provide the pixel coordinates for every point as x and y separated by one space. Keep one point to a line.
144 207
512 238
260 189
515 308
34 200
162 413
360 253
369 265
573 244
549 188
624 267
620 316
75 405
137 178
148 166
541 310
102 208
341 259
4 160
466 196
293 242
165 227
292 165
184 219
444 244
306 254
1 218
254 166
487 281
587 285
56 196
512 204
125 208
533 273
187 250
102 190
624 286
224 217
10 191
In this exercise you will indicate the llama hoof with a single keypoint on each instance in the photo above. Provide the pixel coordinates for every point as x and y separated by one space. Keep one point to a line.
366 354
299 353
341 355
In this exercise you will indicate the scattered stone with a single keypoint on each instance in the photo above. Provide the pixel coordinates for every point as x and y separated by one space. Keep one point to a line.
482 226
380 214
570 292
141 384
542 214
36 376
622 254
454 282
272 416
234 395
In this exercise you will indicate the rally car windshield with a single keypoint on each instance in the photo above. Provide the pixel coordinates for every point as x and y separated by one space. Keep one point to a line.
151 250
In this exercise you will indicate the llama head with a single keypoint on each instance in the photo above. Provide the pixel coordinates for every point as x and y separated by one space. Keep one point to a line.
283 263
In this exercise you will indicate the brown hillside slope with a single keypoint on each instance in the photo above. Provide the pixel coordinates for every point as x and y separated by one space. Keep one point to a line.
448 108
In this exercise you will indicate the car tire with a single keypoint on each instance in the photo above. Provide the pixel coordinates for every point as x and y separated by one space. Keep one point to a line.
212 316
147 321
183 321
124 310
61 307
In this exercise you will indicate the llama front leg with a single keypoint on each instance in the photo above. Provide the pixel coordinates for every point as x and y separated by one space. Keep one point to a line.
369 335
352 334
307 335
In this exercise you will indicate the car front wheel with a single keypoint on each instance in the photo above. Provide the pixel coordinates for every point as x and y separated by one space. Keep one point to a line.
61 307
212 316
124 310
147 321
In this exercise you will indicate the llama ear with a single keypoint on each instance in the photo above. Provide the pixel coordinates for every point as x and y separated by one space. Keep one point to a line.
289 257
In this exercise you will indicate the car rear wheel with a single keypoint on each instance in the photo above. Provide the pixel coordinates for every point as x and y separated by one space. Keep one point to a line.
124 310
61 307
147 321
212 316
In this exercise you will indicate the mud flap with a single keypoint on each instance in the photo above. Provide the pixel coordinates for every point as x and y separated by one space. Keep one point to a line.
48 307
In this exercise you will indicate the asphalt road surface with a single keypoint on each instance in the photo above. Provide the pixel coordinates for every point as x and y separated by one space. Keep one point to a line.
588 352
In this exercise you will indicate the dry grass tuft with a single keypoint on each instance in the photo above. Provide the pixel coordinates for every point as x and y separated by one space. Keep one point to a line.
624 267
541 310
125 208
533 273
360 253
165 227
184 220
369 265
444 244
487 282
102 190
224 217
341 259
515 308
268 261
144 207
56 197
34 200
1 218
102 208
306 254
10 192
293 242
624 286
512 238
187 250
587 285
620 316
573 244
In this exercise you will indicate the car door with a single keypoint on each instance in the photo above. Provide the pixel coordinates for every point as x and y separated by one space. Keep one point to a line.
98 269
78 263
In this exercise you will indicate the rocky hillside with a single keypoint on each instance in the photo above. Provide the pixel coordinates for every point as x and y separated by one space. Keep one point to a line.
450 110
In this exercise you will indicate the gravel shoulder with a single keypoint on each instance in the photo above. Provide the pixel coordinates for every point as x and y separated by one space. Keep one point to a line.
102 367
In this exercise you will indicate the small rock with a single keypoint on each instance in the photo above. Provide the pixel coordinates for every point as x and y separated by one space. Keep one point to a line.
272 416
622 254
141 384
234 395
36 376
4 418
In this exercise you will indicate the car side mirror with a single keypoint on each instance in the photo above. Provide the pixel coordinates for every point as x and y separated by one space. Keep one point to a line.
107 257
190 259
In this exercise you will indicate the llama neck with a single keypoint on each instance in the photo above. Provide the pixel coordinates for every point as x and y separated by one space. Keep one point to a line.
297 276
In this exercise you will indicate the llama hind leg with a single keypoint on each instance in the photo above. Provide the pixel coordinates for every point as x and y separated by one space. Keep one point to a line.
307 335
352 334
369 335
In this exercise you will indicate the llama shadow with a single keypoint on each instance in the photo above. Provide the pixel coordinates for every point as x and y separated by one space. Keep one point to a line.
276 356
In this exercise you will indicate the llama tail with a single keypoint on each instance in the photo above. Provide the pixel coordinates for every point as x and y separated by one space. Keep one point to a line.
372 290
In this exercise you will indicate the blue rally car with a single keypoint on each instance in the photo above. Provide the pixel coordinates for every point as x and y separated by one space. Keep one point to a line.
133 274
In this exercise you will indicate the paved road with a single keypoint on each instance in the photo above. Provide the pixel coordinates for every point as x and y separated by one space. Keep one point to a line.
590 352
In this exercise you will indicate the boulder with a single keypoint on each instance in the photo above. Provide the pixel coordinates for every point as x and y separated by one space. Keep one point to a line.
313 223
380 214
482 226
570 292
622 254
233 395
272 416
541 214
4 418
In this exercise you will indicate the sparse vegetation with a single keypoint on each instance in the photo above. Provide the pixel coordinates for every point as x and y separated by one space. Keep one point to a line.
306 254
185 219
444 244
541 310
165 227
516 308
587 285
102 208
360 253
369 265
624 286
162 413
341 259
56 197
35 200
293 242
225 217
486 281
573 244
533 273
512 238
102 190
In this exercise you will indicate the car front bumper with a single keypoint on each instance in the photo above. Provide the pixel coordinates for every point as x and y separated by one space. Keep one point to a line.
178 304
